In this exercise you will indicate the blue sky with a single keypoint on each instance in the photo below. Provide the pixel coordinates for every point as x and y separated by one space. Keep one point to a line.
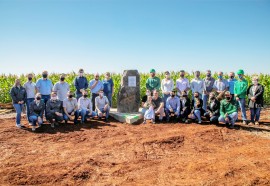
113 35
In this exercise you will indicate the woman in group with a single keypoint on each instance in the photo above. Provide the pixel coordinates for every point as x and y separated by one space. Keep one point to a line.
196 105
150 112
212 113
37 108
255 100
19 97
108 87
167 86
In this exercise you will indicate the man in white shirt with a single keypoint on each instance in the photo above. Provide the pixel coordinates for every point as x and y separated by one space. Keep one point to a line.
182 84
102 105
197 84
85 107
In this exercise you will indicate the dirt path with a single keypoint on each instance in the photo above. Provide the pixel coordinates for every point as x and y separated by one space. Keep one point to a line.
117 154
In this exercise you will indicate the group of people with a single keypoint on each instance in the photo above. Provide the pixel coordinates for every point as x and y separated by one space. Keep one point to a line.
218 100
57 103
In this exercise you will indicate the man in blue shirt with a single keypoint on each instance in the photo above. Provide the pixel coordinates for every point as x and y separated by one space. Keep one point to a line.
80 83
108 87
231 82
95 86
172 106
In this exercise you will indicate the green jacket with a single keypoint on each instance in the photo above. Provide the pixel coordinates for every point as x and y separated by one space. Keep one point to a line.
228 107
240 88
153 83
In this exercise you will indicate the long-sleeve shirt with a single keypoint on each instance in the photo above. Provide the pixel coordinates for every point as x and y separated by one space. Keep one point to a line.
228 107
167 85
101 102
240 88
44 86
97 88
173 103
221 85
37 109
231 85
197 85
54 106
18 94
153 83
80 83
182 84
85 103
209 84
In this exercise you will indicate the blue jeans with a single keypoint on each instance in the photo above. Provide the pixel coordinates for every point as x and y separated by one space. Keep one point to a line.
45 99
84 114
242 104
197 115
103 111
78 95
165 97
18 108
144 110
255 114
232 118
28 102
33 119
205 98
76 114
213 119
109 96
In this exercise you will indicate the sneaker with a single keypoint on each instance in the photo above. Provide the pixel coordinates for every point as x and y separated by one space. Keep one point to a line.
19 126
245 122
33 128
144 122
251 123
199 122
257 123
153 121
30 124
52 125
231 127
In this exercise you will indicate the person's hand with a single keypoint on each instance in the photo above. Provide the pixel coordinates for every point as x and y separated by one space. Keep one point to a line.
253 99
211 115
72 114
176 113
106 107
237 99
227 119
90 113
70 117
81 90
226 115
171 110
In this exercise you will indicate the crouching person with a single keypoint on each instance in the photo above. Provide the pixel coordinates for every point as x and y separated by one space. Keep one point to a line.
197 104
102 105
172 106
149 112
70 106
228 110
54 110
159 105
36 111
185 107
85 107
212 113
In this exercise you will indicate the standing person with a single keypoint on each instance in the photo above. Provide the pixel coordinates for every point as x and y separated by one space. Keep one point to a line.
95 86
173 106
255 100
102 105
153 82
108 85
31 89
150 112
240 93
44 87
182 84
54 109
167 86
212 113
197 110
208 88
19 97
85 107
37 108
221 86
70 106
61 88
197 84
80 83
228 110
231 82
159 105
185 107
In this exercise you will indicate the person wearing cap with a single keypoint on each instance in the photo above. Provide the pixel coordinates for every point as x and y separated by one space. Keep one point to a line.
173 106
95 86
80 83
85 107
208 88
255 100
70 106
197 84
167 85
37 108
153 82
221 86
182 84
228 110
240 93
45 87
231 82
185 107
108 87
61 88
54 109
102 105
31 90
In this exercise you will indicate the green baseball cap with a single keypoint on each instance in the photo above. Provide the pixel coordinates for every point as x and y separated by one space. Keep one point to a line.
152 71
240 72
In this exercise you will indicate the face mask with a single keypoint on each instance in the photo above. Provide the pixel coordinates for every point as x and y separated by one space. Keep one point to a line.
70 96
62 79
173 96
184 96
148 93
54 98
255 82
30 79
208 75
212 98
101 94
231 77
240 76
38 98
18 84
198 76
228 98
220 77
81 74
85 95
182 75
44 75
196 96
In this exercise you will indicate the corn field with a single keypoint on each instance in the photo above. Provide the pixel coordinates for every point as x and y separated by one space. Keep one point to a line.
7 81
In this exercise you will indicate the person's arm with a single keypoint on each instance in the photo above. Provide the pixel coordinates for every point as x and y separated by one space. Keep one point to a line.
162 87
148 84
55 87
172 85
158 84
168 103
51 85
177 87
178 106
12 94
261 91
161 105
248 92
96 104
42 109
31 109
192 86
85 83
93 84
38 86
112 87
188 86
76 84
216 112
222 113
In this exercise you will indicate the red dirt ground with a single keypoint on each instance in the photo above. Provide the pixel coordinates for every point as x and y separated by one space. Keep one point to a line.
118 154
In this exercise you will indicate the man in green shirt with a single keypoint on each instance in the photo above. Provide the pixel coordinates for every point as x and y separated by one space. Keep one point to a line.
228 110
240 92
153 82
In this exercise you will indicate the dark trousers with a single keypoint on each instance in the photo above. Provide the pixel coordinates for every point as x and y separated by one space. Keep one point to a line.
45 99
93 100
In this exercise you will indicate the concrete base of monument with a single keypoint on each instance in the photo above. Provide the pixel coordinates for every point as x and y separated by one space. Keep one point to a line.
129 118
